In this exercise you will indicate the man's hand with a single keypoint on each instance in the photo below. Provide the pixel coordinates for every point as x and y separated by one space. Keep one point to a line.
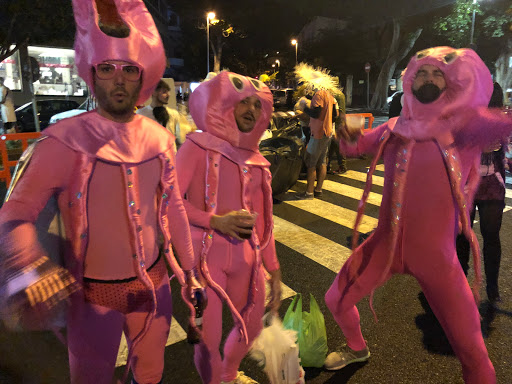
275 291
234 223
196 286
350 130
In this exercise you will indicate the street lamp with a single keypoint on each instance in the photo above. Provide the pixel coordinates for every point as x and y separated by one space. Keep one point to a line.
278 64
296 43
473 24
209 16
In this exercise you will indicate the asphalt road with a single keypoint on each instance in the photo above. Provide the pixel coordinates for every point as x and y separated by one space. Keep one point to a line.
407 343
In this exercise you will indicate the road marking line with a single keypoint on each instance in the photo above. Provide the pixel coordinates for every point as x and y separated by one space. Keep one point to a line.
349 191
317 248
334 213
361 176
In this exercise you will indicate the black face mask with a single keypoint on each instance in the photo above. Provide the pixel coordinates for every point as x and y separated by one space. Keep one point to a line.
427 93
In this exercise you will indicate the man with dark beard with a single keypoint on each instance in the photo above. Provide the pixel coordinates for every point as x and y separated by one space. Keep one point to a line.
430 153
428 84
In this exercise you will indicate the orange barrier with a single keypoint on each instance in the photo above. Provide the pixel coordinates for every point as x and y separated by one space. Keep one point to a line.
5 171
365 115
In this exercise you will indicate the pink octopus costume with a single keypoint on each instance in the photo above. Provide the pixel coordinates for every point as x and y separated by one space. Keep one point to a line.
429 153
221 170
116 188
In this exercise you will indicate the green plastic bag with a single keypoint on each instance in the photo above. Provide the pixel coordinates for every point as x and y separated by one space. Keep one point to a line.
311 334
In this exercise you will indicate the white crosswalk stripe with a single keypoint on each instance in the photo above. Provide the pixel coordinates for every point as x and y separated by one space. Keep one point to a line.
360 176
324 251
349 191
334 213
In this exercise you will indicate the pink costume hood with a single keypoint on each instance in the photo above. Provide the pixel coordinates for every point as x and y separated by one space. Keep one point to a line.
468 86
142 44
212 107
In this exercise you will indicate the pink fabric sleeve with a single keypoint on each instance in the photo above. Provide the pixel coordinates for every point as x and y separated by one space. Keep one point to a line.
483 127
180 228
367 143
269 256
46 175
191 160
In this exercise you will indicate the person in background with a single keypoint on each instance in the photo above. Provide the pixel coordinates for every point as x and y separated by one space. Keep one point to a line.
334 146
490 201
322 115
395 107
7 107
160 98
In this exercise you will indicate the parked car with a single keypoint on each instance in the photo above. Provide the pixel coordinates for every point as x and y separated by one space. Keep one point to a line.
45 110
283 98
87 105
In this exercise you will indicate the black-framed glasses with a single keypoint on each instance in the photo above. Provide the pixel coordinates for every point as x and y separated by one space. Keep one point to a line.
106 71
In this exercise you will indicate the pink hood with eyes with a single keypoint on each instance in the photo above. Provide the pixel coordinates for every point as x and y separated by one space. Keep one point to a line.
468 86
143 46
212 106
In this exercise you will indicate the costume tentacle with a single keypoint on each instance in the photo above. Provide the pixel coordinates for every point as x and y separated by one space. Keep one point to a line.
452 164
212 186
267 206
362 203
246 311
139 260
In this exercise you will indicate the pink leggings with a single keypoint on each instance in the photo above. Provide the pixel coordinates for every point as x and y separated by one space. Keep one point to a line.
446 289
211 367
94 335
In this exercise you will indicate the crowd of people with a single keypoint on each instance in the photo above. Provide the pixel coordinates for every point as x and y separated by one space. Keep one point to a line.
128 201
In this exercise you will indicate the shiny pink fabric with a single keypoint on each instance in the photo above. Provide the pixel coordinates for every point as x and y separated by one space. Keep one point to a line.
63 166
142 47
221 170
429 154
212 105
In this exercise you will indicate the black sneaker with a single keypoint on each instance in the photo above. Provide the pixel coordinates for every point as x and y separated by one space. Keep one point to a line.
304 196
317 193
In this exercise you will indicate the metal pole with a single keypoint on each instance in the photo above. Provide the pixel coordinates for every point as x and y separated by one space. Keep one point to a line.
367 89
472 24
207 45
296 48
472 27
32 91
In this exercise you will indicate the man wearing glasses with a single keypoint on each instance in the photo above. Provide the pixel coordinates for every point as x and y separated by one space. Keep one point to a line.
112 175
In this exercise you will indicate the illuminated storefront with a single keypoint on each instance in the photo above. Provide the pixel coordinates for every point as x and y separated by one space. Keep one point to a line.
10 70
58 74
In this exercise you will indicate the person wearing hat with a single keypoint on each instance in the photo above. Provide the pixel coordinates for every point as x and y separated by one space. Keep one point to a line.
431 154
229 204
112 174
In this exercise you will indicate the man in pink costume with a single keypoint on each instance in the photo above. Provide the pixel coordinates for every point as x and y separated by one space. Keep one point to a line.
227 184
429 152
112 174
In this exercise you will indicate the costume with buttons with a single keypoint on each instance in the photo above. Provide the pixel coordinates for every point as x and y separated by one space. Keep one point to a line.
116 189
221 170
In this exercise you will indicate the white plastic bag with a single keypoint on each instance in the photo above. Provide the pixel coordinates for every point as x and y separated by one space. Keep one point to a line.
277 351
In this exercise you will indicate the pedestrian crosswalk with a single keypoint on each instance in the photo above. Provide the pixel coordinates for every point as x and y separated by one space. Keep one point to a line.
320 249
